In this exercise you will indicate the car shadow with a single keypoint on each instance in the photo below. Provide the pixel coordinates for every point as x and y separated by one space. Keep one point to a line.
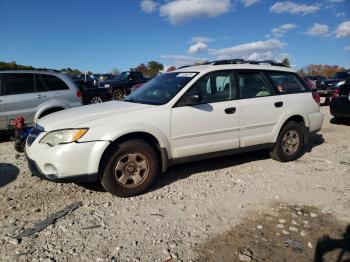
5 137
314 141
8 174
327 244
344 121
182 171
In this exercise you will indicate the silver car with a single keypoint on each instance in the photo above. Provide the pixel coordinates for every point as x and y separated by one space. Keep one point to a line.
34 94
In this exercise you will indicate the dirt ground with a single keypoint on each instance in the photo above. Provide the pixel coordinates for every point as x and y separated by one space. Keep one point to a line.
245 207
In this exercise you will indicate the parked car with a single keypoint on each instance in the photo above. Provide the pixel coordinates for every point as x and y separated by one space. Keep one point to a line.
340 103
328 86
92 94
317 79
34 94
195 112
121 86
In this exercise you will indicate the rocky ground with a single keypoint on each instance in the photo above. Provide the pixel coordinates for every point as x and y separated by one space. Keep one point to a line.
241 208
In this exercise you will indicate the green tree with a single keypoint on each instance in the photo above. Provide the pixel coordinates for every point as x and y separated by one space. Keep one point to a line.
286 62
154 68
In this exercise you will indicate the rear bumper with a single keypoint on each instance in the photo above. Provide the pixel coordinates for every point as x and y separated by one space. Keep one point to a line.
315 122
325 93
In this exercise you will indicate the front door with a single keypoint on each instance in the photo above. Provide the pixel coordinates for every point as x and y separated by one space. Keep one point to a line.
210 125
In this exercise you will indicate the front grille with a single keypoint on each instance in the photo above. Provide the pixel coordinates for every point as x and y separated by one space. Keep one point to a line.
36 131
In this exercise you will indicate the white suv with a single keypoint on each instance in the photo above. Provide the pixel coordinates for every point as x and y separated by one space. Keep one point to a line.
192 113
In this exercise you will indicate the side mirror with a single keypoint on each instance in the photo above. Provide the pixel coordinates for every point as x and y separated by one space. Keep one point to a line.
191 99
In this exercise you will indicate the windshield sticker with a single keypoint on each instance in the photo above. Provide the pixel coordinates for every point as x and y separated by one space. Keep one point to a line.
186 75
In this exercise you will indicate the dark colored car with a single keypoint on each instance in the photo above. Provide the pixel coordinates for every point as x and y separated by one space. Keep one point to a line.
328 86
92 94
317 79
340 103
121 86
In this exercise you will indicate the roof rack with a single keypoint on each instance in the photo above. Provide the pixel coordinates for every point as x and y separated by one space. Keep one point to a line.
238 61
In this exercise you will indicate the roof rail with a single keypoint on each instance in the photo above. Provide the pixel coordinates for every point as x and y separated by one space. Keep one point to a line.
242 61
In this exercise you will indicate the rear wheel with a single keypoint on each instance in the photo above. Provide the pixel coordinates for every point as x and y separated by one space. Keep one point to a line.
96 100
130 169
289 143
118 94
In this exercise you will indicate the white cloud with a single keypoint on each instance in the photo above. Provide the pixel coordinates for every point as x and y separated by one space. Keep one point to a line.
198 47
347 48
343 29
267 49
202 39
340 14
335 1
293 8
248 3
148 6
181 11
180 60
283 29
318 30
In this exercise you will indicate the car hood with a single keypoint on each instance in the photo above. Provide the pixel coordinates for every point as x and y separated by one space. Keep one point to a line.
332 81
77 116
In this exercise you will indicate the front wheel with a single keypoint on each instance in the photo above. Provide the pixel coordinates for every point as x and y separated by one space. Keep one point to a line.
131 169
289 143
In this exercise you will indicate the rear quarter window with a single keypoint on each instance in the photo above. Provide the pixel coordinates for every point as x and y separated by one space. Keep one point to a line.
286 83
54 83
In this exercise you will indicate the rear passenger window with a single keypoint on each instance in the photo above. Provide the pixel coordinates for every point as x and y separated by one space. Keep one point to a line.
286 82
252 84
53 83
15 84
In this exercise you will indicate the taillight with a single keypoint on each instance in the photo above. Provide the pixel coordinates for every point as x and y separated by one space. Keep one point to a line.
79 93
336 93
316 97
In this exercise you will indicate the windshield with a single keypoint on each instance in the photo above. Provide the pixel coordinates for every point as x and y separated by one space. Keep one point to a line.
341 75
123 76
162 89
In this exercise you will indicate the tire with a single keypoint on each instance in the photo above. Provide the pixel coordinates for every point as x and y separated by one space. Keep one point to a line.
96 100
118 94
290 143
130 169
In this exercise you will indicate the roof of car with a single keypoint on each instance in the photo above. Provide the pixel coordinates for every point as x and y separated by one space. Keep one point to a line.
227 65
31 71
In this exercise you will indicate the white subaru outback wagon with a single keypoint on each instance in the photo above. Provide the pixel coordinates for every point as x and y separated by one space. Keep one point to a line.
192 113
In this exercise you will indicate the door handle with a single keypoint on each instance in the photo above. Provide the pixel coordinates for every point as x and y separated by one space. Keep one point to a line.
230 110
278 104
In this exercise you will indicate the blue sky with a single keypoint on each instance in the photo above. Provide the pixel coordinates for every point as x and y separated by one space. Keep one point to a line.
102 35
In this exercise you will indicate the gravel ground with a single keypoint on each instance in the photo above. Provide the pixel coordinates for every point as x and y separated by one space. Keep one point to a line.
189 207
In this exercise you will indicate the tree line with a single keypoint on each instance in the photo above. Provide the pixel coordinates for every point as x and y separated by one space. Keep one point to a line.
152 68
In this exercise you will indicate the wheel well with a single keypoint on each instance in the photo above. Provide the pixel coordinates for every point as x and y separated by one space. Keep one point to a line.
148 138
50 110
297 118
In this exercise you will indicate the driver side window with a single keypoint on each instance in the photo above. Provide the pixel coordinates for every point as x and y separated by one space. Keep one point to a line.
215 87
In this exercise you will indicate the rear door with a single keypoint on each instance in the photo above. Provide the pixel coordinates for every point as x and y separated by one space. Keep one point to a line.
19 97
60 90
260 109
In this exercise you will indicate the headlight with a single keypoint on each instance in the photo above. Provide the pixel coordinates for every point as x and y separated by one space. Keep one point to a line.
322 82
107 86
340 83
64 136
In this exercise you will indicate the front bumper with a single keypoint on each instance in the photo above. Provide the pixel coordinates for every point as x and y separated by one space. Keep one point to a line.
74 162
